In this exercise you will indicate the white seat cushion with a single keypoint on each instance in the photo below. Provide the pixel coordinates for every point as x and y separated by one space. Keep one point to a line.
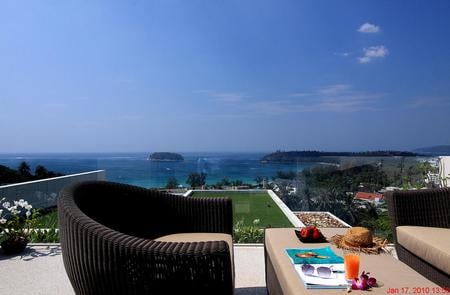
431 244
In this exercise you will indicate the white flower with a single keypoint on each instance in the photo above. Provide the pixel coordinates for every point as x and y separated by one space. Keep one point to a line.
2 220
28 207
1 211
256 221
13 210
6 205
16 203
28 213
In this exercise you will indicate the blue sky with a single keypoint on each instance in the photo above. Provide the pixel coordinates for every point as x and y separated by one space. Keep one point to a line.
88 76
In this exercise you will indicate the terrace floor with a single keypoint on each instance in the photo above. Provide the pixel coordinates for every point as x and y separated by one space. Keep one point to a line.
39 270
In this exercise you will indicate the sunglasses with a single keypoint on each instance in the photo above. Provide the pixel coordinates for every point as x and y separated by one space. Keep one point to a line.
321 271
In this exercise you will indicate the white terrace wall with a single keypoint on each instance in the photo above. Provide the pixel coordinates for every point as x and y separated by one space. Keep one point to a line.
44 193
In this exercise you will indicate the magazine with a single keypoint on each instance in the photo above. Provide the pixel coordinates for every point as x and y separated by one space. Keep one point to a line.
319 257
323 255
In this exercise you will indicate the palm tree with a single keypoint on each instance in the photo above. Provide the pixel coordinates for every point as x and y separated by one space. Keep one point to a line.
323 200
196 179
172 183
348 208
24 171
40 172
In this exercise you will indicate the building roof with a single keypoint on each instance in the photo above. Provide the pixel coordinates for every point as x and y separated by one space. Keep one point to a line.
369 196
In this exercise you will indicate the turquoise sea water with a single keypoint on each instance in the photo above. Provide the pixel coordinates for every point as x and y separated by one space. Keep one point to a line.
134 168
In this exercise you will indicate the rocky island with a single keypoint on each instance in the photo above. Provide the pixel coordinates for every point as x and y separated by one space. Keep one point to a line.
165 157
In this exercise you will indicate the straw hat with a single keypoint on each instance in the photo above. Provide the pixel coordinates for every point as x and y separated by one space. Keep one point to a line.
359 238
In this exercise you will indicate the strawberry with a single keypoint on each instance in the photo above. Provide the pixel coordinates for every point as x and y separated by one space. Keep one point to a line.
317 235
304 233
310 230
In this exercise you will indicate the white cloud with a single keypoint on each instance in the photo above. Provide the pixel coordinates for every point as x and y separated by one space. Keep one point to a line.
364 59
368 28
334 89
301 94
376 51
345 101
343 54
373 52
229 97
223 96
332 98
430 102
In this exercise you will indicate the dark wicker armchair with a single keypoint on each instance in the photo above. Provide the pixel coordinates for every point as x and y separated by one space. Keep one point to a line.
420 222
121 239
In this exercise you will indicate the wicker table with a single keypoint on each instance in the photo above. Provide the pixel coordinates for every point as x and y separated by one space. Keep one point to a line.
281 277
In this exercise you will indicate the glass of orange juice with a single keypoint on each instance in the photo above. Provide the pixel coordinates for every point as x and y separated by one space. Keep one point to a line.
351 264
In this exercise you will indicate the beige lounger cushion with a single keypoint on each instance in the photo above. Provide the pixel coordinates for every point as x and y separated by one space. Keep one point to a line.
431 244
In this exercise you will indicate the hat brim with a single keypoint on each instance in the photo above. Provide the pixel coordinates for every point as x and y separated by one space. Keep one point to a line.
377 245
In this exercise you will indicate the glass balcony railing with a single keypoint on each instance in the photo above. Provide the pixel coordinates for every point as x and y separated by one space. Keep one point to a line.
43 193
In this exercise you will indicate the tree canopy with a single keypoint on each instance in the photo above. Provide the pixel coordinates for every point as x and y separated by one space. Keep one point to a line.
196 179
172 183
23 173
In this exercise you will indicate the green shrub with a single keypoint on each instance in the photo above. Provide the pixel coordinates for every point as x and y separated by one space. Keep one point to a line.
44 236
247 233
46 219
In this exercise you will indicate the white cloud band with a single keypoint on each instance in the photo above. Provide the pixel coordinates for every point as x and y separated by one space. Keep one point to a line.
373 52
368 28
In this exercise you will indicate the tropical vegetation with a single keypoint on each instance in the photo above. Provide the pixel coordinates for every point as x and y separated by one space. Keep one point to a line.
333 189
196 180
245 234
23 173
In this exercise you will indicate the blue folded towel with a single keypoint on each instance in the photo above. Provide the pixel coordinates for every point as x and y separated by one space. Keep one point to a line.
333 258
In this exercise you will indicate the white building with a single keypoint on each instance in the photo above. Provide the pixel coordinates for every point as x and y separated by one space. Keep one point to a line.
444 170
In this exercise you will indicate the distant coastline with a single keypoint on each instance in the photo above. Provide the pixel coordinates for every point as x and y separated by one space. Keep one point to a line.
327 157
438 150
137 169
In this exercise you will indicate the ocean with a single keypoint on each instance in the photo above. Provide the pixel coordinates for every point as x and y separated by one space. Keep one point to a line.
135 169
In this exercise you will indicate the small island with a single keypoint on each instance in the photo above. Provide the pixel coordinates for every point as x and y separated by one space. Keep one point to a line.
166 157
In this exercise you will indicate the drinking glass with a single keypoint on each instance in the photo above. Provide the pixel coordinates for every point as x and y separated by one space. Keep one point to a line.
351 264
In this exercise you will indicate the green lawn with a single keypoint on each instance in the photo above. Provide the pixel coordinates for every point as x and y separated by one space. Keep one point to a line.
249 206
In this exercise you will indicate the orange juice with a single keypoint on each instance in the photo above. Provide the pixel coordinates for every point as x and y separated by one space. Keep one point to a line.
351 264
